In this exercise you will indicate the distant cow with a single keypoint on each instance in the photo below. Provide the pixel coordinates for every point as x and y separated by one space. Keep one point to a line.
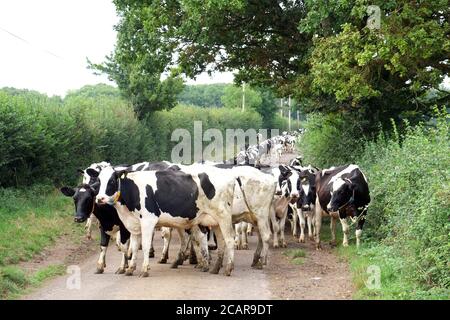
342 192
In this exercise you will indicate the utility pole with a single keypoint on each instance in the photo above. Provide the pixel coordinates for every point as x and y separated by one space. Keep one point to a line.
289 112
243 96
281 107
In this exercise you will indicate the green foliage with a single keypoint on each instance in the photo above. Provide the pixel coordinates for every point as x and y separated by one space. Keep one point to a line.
203 95
321 52
331 140
45 142
161 124
407 228
232 97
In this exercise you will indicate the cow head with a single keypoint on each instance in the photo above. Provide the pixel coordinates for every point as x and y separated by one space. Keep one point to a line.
88 179
84 199
109 183
307 196
288 182
342 194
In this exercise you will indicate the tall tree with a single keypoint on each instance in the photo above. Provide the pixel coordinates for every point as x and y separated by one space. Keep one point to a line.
322 52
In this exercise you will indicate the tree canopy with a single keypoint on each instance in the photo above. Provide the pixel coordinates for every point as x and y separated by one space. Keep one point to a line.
322 52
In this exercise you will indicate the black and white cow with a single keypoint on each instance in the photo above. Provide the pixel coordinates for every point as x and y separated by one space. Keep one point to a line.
306 201
287 191
342 192
172 198
84 200
88 180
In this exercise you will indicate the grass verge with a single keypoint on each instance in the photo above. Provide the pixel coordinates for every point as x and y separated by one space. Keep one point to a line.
30 220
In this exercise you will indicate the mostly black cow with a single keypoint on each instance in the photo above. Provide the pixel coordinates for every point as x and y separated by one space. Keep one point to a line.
84 200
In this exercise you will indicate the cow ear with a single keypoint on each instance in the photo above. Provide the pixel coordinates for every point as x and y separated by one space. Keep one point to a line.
284 170
92 172
80 171
120 170
67 191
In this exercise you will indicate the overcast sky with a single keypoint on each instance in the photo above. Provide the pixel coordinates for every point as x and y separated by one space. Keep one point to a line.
56 37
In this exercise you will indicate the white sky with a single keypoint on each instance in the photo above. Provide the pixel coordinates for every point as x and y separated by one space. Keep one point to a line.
70 29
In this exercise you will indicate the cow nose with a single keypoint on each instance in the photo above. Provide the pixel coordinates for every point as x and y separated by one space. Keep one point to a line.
295 194
78 219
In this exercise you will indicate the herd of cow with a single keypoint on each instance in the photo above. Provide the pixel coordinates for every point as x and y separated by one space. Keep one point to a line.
225 199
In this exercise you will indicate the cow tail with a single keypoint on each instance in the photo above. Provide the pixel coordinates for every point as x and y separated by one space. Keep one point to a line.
238 179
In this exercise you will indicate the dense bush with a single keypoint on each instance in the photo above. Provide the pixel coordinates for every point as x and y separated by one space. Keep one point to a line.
409 177
331 140
44 140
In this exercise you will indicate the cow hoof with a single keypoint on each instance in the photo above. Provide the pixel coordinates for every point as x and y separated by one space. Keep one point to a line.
215 270
151 254
162 261
284 245
99 271
205 268
257 265
245 247
143 274
228 269
174 265
345 244
120 271
318 247
129 271
275 246
333 243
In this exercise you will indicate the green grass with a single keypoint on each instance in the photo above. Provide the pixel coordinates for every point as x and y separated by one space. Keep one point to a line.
31 220
296 256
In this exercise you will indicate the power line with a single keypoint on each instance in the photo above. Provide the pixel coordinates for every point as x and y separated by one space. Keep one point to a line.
30 44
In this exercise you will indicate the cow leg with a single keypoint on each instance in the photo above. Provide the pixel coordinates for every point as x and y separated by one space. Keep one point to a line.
237 237
220 251
104 241
262 250
226 227
275 227
301 216
282 226
345 229
244 237
310 222
89 223
249 229
211 238
135 242
147 229
257 264
318 222
183 248
358 231
151 253
124 244
295 219
200 244
333 230
166 234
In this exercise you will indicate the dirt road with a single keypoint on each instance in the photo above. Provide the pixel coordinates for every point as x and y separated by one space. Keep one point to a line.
320 275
